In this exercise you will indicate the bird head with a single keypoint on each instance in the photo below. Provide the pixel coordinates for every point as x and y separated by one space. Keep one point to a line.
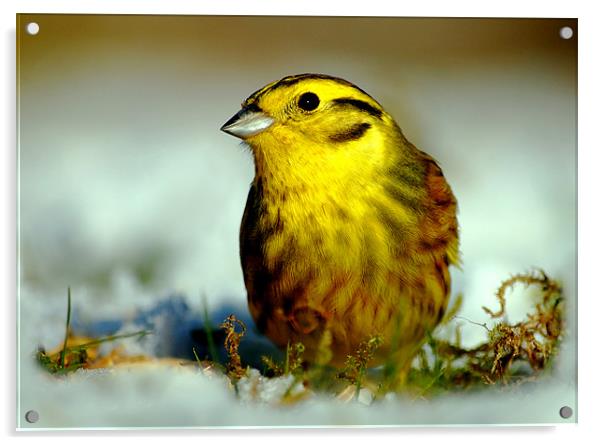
309 106
313 119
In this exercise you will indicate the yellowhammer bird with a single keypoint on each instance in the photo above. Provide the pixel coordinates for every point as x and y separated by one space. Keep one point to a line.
349 229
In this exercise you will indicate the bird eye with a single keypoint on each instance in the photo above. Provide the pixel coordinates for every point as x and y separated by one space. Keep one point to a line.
308 101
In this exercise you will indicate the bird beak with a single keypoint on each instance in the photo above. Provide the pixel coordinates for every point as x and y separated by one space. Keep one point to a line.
248 122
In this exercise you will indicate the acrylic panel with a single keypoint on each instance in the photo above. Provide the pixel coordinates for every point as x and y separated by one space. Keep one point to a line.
408 251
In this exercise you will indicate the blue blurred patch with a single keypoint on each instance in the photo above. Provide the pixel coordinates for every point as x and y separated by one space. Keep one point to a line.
177 329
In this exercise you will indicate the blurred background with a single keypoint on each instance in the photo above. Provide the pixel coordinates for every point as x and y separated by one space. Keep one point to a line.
130 193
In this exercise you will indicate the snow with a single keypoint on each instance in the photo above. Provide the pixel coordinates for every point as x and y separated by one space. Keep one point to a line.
168 394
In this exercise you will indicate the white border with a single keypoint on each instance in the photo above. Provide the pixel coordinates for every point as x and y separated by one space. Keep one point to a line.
590 312
508 8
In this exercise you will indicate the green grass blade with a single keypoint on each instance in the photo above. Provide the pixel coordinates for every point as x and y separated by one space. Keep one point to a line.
209 332
63 352
108 339
198 360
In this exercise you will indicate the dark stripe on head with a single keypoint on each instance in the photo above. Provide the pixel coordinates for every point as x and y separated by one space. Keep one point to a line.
352 133
292 80
360 105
